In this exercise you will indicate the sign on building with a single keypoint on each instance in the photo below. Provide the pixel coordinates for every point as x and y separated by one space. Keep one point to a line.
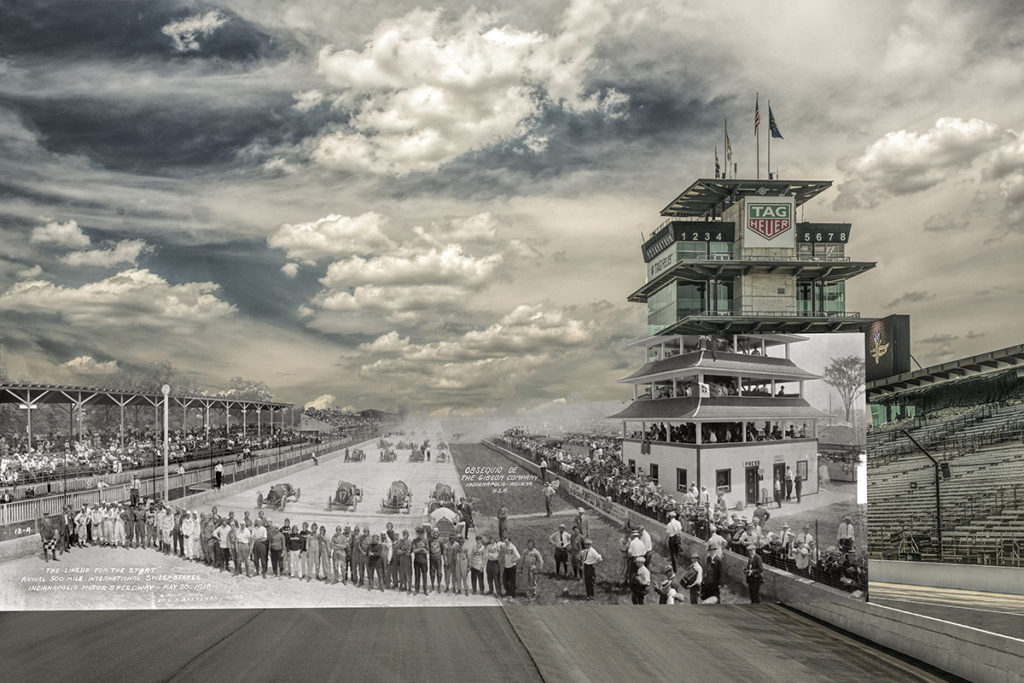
768 222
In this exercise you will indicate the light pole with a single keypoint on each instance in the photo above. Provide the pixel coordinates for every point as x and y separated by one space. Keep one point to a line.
167 489
938 498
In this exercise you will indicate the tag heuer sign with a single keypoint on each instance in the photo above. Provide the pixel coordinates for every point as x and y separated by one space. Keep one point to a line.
769 220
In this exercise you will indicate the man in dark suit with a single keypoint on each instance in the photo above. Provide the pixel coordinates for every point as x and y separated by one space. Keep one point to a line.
754 573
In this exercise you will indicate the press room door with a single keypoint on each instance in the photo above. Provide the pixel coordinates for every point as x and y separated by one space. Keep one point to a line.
752 481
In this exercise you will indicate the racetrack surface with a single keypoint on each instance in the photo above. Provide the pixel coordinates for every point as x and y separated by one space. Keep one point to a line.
1001 613
558 643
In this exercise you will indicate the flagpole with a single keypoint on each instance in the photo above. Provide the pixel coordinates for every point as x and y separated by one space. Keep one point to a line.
725 144
769 140
757 133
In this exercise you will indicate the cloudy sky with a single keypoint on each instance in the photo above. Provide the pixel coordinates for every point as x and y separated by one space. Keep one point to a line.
383 204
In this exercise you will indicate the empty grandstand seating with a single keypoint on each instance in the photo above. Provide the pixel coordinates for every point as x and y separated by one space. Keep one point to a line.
982 500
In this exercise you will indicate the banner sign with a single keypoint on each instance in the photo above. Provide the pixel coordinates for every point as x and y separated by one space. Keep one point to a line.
768 222
887 347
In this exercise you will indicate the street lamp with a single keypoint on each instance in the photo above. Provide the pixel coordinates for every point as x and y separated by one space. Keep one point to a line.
167 488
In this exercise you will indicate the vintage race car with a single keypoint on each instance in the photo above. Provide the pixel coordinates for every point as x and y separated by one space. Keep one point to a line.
345 497
356 455
442 497
398 498
388 454
278 496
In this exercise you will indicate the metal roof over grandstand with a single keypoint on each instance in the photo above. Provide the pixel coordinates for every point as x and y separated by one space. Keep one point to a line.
708 197
724 409
720 363
35 394
945 373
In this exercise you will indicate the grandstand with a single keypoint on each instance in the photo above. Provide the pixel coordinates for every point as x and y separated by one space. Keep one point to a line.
969 415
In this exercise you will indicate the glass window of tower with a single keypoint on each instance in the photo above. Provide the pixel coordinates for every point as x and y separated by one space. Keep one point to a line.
721 300
661 308
720 250
692 250
834 297
691 298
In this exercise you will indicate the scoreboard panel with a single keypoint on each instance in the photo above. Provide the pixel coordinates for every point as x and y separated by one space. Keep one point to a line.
822 233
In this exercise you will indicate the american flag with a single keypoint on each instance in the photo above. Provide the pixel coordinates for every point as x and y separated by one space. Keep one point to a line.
757 113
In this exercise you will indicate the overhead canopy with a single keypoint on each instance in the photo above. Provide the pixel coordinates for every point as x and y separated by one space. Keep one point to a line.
35 394
808 269
720 363
708 197
769 339
921 382
725 409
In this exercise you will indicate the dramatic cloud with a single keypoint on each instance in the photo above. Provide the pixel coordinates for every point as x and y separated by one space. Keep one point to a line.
943 222
130 299
87 365
451 267
125 251
330 237
66 234
322 401
186 33
290 269
909 298
431 90
497 358
904 162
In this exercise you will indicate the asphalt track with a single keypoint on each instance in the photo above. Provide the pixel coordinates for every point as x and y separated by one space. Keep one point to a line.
1001 613
559 643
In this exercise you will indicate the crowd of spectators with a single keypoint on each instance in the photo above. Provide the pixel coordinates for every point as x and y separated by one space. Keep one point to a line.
341 419
731 432
52 456
701 513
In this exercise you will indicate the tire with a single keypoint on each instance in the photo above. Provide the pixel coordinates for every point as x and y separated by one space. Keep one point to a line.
329 501
298 492
259 501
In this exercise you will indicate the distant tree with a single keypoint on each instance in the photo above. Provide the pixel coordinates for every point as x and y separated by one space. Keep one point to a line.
149 379
846 374
251 389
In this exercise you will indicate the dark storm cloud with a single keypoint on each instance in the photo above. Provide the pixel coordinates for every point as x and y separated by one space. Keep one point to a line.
940 339
248 274
147 139
910 298
122 29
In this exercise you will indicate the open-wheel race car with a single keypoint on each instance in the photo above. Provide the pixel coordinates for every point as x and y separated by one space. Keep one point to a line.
444 520
356 455
398 498
442 456
442 497
388 454
345 497
416 455
278 496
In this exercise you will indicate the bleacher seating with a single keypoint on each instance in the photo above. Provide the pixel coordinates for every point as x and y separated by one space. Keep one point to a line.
982 501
